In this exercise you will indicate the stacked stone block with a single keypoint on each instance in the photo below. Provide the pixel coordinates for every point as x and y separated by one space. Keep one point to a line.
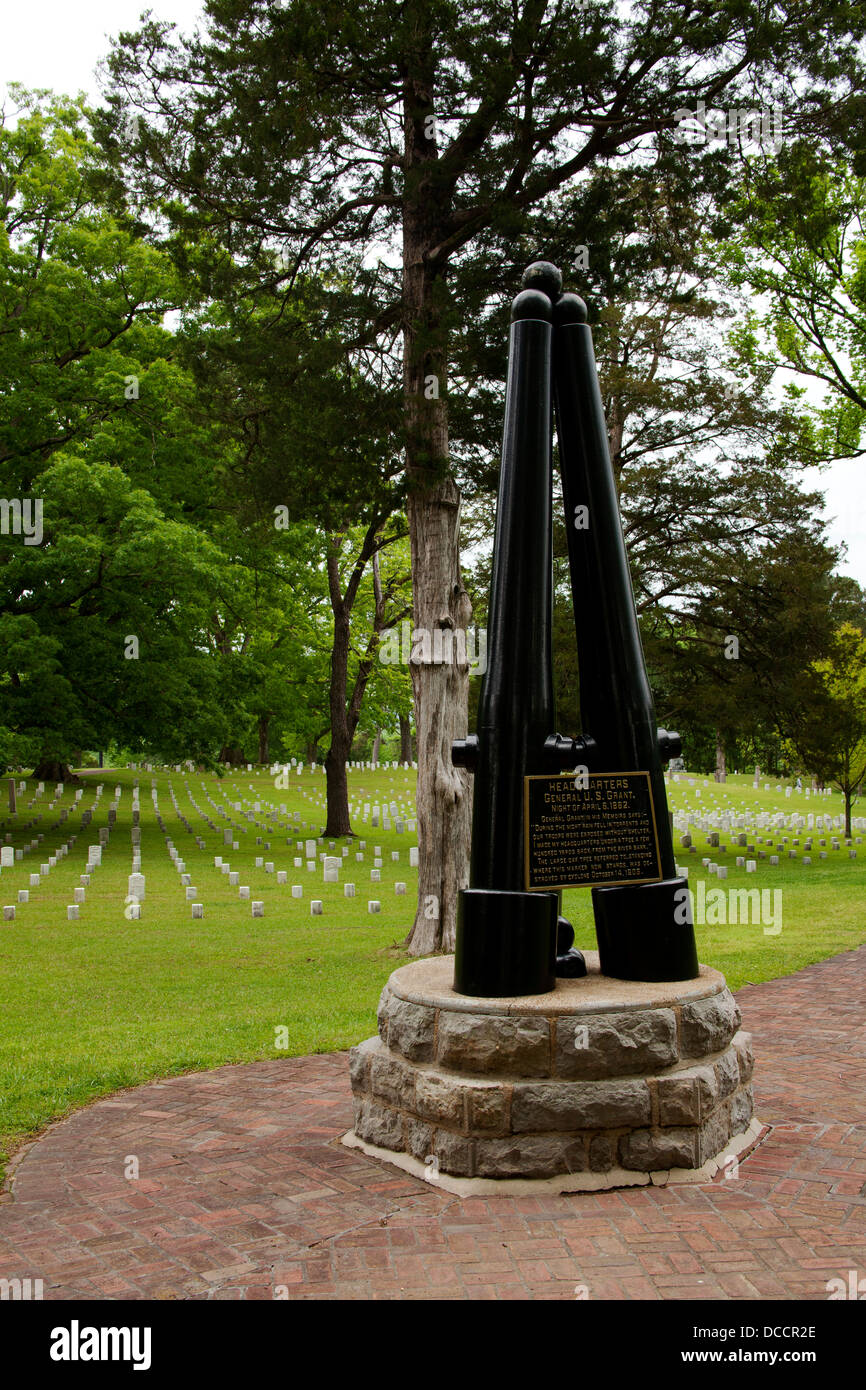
563 1088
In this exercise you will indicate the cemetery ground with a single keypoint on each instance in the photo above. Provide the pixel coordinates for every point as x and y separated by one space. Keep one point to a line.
99 999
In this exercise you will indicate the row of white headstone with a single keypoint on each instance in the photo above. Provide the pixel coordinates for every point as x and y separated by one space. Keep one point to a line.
8 857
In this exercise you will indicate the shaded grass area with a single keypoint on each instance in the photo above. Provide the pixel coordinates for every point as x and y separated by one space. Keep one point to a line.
91 1006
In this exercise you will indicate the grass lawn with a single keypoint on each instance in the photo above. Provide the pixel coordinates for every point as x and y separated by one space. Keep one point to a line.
104 1002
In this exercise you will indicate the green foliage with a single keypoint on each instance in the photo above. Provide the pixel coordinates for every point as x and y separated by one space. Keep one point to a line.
828 728
82 298
800 244
163 607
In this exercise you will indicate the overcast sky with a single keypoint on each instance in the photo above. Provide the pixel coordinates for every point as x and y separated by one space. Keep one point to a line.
57 44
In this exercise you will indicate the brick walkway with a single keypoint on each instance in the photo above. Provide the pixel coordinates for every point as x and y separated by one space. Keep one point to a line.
244 1192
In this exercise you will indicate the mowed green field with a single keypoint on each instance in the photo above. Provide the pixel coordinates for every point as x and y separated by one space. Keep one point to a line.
104 1002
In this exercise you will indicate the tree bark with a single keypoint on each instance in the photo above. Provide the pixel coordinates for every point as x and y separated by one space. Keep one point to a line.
721 767
405 739
443 798
337 785
848 789
341 739
441 690
377 743
232 755
345 709
264 738
52 770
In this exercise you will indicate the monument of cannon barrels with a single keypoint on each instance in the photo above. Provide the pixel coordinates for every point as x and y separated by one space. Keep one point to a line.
521 1059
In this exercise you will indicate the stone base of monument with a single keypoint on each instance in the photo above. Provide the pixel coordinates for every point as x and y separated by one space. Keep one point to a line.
602 1083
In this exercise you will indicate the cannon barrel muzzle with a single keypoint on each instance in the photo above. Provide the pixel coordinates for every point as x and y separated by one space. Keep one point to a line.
670 745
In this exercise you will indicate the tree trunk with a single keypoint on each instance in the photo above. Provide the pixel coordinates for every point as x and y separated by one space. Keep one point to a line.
377 743
441 690
51 770
721 772
337 784
849 798
345 709
443 799
312 752
232 755
405 739
264 739
341 738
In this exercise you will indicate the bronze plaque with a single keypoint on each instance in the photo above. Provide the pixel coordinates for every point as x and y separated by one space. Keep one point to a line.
588 831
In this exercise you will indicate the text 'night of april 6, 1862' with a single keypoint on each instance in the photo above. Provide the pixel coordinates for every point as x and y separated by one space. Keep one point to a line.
597 830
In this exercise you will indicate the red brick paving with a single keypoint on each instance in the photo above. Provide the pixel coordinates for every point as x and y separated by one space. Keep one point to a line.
245 1192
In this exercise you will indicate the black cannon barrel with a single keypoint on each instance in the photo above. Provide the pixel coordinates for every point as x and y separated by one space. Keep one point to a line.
506 937
644 931
616 702
515 709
